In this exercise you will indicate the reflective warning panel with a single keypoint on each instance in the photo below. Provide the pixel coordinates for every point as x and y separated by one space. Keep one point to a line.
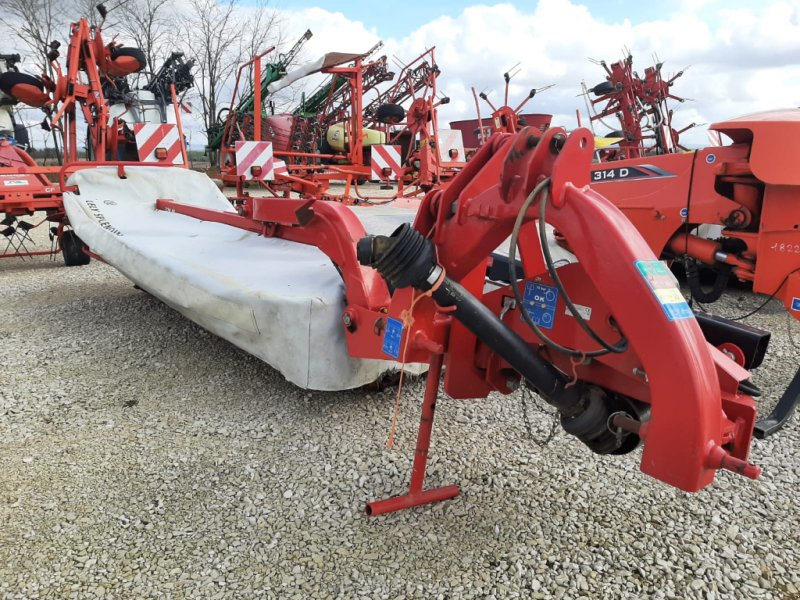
540 302
662 283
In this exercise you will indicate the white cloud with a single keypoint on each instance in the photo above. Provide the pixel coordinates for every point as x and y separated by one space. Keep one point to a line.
742 59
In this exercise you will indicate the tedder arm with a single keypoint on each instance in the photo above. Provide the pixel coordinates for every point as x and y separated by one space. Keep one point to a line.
607 339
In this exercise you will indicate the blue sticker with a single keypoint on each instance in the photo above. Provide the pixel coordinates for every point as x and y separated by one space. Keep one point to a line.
684 212
391 337
661 283
711 158
540 302
795 303
678 311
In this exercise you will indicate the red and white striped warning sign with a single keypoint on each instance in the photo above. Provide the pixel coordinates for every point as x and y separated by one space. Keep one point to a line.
280 167
254 161
157 143
386 163
451 145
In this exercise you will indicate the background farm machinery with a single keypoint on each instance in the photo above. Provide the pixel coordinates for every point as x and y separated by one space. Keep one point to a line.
502 119
424 155
316 142
731 209
241 121
121 123
640 105
24 185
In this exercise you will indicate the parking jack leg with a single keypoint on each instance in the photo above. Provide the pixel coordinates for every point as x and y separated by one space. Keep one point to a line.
416 496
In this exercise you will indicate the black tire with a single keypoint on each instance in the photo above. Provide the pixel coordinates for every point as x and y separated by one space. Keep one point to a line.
390 113
601 89
72 249
133 53
21 134
325 148
89 147
30 89
129 51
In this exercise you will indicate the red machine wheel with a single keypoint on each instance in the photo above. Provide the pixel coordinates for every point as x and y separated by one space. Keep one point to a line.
24 88
733 352
124 61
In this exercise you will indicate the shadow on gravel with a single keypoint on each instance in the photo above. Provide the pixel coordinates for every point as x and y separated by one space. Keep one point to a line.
10 265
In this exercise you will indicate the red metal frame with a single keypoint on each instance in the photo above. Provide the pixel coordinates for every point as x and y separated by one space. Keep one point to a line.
418 496
699 422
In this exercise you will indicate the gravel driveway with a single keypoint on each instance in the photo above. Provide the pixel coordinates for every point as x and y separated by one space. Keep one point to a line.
140 457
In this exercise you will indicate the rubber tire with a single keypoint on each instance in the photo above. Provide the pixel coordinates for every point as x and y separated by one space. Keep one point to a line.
325 148
10 79
601 89
72 250
21 134
126 52
390 113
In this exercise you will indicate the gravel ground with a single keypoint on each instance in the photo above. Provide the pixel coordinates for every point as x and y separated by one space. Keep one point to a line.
142 457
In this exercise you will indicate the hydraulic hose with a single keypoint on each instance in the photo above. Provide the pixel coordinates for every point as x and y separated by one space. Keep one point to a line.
487 327
697 291
406 258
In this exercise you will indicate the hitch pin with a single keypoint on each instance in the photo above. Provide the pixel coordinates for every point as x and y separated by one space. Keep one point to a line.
719 458
621 421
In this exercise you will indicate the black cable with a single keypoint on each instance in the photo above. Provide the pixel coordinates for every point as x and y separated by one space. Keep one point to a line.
789 320
512 269
687 227
696 290
767 301
618 348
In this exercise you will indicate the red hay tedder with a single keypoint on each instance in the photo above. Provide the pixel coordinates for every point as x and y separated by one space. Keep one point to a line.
94 84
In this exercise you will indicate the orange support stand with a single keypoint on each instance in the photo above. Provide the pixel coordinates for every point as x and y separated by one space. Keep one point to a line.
416 496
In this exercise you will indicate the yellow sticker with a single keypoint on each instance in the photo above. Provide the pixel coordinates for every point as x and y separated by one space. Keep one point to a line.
669 295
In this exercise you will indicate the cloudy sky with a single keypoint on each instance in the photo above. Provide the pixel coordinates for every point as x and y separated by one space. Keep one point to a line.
743 56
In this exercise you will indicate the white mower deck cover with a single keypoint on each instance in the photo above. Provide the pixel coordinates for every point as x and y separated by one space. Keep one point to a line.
278 300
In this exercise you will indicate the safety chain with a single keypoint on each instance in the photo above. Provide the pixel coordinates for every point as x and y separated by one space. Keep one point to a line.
553 426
